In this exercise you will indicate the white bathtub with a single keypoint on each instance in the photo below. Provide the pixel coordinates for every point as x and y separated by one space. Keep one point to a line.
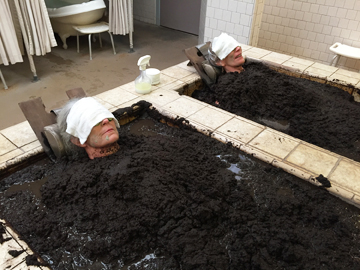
66 13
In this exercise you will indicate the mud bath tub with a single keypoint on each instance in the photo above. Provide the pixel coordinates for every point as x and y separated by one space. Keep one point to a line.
173 198
318 113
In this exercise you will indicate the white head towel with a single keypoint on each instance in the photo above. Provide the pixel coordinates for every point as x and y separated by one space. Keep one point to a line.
84 115
223 45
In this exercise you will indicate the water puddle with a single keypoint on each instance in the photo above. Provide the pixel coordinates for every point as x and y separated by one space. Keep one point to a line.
33 187
145 127
281 125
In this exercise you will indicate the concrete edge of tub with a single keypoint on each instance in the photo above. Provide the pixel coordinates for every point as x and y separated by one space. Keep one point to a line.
287 66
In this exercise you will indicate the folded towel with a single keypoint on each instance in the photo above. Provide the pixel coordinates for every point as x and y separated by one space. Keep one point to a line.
84 115
223 45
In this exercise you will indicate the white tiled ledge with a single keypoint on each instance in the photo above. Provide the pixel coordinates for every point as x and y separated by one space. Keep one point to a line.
306 161
18 143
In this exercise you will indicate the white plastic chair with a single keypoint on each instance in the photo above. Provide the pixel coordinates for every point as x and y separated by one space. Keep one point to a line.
3 80
344 50
96 28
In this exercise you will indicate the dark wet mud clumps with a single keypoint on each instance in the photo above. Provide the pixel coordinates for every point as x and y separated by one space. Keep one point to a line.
176 199
320 114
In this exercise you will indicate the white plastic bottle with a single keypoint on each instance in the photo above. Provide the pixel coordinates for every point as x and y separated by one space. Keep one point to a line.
143 82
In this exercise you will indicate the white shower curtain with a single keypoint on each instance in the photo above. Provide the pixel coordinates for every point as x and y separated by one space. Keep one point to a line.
29 18
121 17
35 25
9 46
121 20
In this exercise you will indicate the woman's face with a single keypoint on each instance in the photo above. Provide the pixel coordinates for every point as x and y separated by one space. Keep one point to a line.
234 59
103 134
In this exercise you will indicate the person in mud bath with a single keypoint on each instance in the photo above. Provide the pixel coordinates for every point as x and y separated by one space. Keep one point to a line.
226 52
86 124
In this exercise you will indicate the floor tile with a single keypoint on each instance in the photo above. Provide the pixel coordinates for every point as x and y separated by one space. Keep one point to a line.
324 67
276 143
165 80
176 72
257 52
312 159
129 103
245 47
211 117
301 61
315 72
20 134
5 145
345 79
349 74
184 106
177 86
191 78
347 174
116 96
296 65
30 146
184 65
104 103
161 96
241 129
276 57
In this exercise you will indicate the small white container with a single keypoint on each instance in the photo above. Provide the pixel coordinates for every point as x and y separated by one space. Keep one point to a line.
154 75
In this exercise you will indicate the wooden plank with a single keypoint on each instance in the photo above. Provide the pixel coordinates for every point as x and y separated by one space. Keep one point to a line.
38 118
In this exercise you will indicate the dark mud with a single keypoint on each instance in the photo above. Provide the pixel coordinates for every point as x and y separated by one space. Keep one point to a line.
175 199
317 113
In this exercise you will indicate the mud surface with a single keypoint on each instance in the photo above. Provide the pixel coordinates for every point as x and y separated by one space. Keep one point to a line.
176 199
313 112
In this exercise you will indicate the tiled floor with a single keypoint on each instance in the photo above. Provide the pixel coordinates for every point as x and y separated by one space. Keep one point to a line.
291 154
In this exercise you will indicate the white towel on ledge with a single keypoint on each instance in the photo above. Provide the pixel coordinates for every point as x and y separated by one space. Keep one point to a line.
223 45
84 115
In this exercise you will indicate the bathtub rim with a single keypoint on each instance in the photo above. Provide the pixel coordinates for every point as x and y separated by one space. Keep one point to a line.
76 9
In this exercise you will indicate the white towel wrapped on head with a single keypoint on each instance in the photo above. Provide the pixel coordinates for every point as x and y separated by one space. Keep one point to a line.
84 115
223 45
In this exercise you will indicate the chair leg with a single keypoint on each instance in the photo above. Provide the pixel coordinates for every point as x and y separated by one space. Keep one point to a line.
90 46
100 40
77 42
112 42
336 58
3 80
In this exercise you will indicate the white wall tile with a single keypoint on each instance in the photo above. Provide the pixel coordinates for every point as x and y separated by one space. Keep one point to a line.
235 17
215 4
249 9
218 14
357 6
224 4
341 12
349 4
221 26
226 16
230 27
245 20
314 8
343 23
232 5
334 22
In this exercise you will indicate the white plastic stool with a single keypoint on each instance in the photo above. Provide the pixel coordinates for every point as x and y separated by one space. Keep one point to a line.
90 29
344 50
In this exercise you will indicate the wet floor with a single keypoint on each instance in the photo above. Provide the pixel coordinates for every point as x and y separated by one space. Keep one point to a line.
62 70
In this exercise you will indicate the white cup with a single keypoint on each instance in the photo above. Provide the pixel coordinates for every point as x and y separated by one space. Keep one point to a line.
154 75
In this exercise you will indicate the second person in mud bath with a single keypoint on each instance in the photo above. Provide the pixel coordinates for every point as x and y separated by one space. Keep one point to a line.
226 52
